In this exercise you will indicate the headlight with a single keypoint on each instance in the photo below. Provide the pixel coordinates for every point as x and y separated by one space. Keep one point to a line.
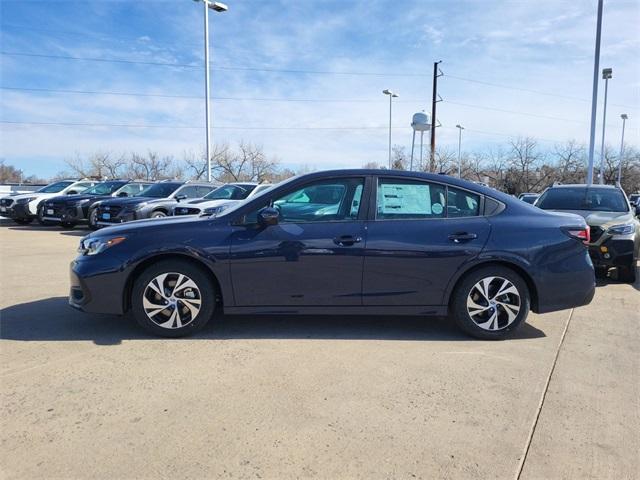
94 246
22 201
213 210
625 229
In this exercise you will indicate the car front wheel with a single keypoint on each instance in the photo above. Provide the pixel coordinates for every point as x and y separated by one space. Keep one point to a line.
490 302
173 298
158 214
93 219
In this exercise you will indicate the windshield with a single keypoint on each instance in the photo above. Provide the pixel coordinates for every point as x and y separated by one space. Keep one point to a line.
55 187
159 190
582 198
106 188
230 192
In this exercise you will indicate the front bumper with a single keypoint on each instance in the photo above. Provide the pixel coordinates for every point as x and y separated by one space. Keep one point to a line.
20 211
97 286
122 217
613 252
71 214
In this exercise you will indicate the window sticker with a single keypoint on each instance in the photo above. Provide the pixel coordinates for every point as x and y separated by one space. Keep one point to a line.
405 199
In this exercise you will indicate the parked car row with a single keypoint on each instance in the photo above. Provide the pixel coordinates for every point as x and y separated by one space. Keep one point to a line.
73 202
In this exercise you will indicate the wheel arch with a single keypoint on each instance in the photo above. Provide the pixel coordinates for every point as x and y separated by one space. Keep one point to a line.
531 285
140 267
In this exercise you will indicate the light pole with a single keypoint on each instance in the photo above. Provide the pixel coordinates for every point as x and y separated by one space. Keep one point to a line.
216 7
594 98
460 128
624 118
607 73
391 97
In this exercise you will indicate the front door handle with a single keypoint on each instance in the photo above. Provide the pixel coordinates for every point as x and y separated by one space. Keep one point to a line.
462 237
347 240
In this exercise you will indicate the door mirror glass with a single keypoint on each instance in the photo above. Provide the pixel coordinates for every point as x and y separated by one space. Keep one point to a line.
181 197
268 216
123 194
72 192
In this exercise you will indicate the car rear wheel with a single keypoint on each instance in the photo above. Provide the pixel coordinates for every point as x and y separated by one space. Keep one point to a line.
158 214
173 298
490 302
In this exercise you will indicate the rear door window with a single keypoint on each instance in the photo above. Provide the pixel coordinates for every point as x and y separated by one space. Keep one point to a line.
409 199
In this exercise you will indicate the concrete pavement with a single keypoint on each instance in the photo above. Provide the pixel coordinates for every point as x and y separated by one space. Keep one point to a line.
91 396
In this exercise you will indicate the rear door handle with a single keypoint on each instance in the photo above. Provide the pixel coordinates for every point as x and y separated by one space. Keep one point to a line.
462 237
346 240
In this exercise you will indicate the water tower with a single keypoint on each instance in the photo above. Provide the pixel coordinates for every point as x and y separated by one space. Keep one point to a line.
420 123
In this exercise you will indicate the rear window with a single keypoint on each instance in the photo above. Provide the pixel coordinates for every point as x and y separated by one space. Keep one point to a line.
582 198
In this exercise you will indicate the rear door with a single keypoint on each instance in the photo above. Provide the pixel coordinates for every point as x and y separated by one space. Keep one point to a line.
421 233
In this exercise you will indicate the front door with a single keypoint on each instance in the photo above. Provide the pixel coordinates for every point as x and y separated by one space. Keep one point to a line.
421 235
312 257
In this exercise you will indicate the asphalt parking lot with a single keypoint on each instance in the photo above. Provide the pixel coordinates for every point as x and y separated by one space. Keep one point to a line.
93 396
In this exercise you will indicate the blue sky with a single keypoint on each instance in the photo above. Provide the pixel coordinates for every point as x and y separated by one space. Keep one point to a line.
541 50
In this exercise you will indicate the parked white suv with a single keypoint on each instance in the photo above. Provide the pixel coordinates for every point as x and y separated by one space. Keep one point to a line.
24 208
221 199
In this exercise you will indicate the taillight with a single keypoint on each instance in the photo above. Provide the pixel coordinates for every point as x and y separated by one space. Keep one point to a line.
582 234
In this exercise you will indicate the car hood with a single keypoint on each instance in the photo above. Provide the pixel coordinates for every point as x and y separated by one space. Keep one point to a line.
601 219
34 194
147 224
125 201
201 203
76 198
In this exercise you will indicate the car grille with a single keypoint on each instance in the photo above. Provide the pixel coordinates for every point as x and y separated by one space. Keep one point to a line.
186 211
595 233
6 202
57 207
112 210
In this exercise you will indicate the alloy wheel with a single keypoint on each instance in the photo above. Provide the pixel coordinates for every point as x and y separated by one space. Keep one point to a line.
171 300
493 303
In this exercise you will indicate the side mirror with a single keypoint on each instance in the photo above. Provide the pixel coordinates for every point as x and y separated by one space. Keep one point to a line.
268 216
123 194
181 197
72 192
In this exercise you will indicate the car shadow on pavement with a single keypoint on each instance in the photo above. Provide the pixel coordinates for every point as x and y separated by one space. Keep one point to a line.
53 228
53 320
612 279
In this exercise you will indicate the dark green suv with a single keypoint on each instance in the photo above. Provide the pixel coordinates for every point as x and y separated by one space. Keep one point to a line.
613 223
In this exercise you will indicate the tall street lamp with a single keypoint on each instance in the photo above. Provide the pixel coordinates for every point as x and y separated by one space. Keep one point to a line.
216 7
460 128
391 97
594 97
624 118
607 73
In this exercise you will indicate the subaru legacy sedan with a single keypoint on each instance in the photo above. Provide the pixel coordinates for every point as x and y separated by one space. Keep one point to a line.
343 242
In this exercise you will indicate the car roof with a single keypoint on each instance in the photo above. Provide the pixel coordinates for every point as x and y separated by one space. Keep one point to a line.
584 185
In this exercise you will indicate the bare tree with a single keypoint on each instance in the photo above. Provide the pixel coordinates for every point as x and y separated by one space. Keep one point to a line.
399 160
97 165
150 166
249 163
570 162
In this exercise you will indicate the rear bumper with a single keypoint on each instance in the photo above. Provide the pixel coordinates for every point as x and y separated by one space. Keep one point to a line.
619 252
564 285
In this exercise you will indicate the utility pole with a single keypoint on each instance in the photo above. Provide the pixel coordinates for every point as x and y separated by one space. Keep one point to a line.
624 118
594 98
460 128
391 97
606 75
434 100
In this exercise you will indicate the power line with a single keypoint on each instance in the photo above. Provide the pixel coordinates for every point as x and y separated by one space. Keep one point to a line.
126 125
217 67
535 115
527 90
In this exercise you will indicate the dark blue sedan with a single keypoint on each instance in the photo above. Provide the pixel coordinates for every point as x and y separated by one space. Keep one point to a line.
343 242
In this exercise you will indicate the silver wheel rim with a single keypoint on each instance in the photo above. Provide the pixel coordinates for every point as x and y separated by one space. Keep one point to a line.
158 215
493 303
171 300
93 217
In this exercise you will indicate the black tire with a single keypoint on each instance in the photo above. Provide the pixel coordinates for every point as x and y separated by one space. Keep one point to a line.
93 219
41 219
627 274
466 289
158 214
204 291
23 221
601 272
